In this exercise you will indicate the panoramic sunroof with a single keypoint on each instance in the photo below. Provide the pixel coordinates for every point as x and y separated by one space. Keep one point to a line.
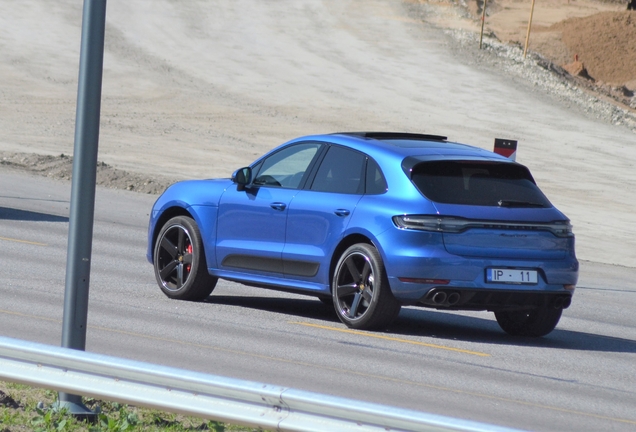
418 143
397 136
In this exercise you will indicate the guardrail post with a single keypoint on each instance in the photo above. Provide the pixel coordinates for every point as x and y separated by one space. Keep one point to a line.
82 210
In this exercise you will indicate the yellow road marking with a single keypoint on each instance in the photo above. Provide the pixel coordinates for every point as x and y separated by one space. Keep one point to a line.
346 371
23 241
390 338
30 316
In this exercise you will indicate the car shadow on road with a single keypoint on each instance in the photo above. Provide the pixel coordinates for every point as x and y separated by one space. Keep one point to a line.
454 326
415 322
310 308
7 213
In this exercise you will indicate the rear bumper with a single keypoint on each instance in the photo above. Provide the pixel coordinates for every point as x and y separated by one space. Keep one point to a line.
418 263
493 300
467 277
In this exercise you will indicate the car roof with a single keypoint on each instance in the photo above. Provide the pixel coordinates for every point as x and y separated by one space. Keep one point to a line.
401 145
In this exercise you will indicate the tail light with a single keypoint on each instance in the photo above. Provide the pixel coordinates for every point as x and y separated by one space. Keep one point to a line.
446 224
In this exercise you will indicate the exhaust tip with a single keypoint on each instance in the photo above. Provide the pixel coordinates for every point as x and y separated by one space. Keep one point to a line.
567 301
439 297
453 298
562 302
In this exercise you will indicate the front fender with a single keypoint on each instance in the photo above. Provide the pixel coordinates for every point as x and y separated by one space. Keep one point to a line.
195 198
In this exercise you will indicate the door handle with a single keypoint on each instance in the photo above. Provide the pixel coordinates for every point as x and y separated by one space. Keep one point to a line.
278 206
342 212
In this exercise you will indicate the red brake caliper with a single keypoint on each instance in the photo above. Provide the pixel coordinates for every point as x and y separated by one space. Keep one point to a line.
189 250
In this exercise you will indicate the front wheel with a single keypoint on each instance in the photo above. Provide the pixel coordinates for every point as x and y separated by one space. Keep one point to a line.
532 323
361 293
179 261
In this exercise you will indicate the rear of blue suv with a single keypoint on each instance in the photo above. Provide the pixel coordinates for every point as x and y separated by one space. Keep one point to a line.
369 222
482 236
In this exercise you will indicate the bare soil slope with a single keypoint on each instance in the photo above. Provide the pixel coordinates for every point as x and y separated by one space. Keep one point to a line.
606 44
601 35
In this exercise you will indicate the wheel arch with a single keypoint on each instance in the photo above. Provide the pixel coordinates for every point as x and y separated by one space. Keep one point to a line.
345 243
354 308
166 215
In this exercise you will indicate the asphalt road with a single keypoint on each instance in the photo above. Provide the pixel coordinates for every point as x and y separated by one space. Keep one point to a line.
580 377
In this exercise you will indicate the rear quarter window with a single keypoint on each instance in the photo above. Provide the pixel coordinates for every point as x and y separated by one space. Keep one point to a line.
478 183
375 182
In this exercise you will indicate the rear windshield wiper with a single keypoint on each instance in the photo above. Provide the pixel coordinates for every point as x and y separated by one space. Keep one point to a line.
513 203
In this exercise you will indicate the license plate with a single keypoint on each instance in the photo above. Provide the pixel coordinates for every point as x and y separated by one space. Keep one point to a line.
511 276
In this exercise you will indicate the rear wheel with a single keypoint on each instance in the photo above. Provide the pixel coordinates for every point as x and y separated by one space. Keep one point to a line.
179 261
360 288
532 323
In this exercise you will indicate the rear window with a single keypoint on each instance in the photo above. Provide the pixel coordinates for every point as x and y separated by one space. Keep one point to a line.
478 183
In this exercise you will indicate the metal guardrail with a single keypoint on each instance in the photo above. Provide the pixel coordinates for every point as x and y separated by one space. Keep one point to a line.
208 396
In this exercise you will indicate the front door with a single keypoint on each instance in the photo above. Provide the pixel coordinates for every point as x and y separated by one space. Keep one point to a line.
251 222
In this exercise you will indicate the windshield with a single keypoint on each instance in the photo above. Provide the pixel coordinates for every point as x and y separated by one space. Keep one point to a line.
478 183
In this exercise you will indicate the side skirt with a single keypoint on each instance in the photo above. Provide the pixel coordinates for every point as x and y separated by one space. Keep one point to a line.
272 282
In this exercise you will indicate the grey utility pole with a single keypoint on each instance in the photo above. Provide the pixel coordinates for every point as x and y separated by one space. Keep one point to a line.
80 236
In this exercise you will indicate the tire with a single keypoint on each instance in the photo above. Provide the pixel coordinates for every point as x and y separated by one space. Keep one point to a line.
361 293
179 261
533 323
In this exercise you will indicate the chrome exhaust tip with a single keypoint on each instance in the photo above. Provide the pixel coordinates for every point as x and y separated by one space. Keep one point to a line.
439 297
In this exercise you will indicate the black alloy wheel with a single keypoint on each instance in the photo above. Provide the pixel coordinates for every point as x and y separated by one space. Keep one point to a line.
179 261
361 293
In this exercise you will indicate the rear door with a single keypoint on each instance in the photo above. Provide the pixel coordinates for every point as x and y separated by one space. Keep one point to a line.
319 214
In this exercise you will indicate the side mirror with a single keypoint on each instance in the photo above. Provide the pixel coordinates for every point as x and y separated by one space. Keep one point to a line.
242 177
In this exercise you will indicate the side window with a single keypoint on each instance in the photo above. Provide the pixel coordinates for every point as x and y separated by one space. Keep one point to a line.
376 184
341 171
286 167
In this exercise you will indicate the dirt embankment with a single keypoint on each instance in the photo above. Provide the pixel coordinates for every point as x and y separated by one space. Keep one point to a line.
593 40
601 50
61 167
606 44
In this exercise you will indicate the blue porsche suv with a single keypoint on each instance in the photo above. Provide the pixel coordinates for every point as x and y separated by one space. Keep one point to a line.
369 222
